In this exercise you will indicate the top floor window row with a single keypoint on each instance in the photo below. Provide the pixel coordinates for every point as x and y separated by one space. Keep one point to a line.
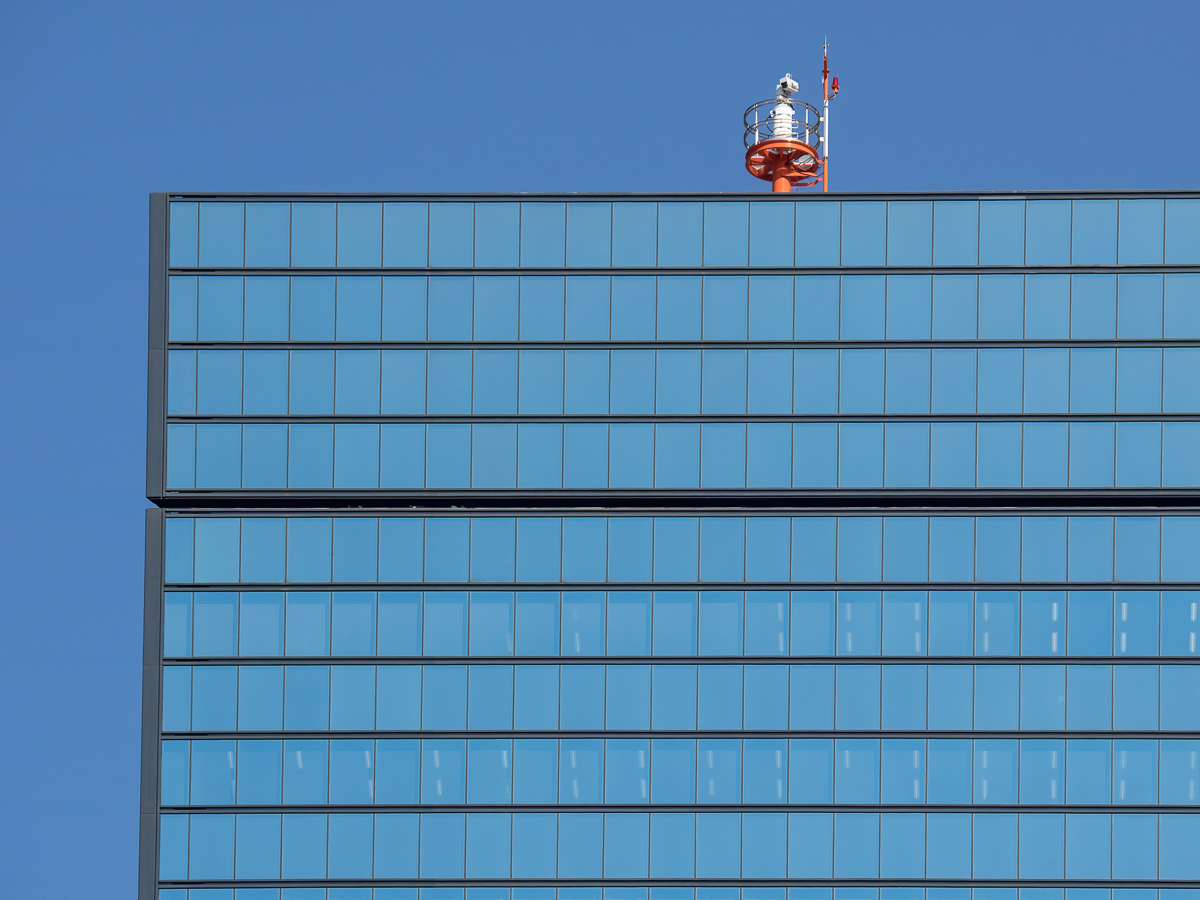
685 233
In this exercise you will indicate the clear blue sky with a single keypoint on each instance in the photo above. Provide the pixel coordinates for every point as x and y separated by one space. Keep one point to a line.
102 103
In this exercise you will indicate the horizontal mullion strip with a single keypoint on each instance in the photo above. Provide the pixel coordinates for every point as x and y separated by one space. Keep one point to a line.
887 344
487 418
676 808
678 660
531 196
606 502
509 586
614 511
594 734
685 882
687 270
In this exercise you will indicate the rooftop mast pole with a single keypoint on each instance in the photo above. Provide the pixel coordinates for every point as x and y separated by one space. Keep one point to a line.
825 117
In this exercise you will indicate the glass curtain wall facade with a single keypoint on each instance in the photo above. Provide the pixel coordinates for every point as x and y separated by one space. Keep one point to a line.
721 547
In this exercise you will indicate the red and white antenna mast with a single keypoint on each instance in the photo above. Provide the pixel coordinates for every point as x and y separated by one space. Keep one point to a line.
787 140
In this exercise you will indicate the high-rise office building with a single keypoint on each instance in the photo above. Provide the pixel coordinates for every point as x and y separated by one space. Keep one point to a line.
690 547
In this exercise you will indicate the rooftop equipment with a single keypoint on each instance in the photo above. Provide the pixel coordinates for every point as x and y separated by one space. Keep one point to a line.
787 140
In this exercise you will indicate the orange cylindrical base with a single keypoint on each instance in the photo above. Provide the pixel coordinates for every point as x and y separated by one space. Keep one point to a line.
781 184
783 162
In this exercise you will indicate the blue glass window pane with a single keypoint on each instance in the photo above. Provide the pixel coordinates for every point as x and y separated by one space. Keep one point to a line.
770 307
951 454
1135 772
181 310
629 549
949 772
861 381
359 308
581 771
996 614
628 624
1141 223
583 615
766 615
314 234
723 382
356 456
1088 766
1136 623
903 611
490 698
268 227
402 456
1179 623
359 234
542 312
817 307
634 227
818 228
768 455
996 763
404 308
726 233
1139 305
310 456
1044 549
721 618
1134 838
1093 376
442 845
494 455
184 234
306 698
949 698
1139 379
955 307
680 237
859 553
1137 548
953 381
265 389
950 623
448 456
674 623
311 386
903 697
679 309
1094 307
587 307
357 380
909 232
497 234
772 233
1001 305
856 845
908 306
996 697
210 850
719 696
589 234
1043 697
857 698
1090 620
218 456
491 623
450 231
723 454
215 628
586 380
955 232
863 307
1094 232
351 771
725 307
403 382
1179 686
864 233
450 309
678 381
216 550
902 771
535 689
219 315
1135 697
445 623
673 706
219 383
543 237
1047 378
405 234
222 230
633 382
1182 239
1048 232
1001 232
444 699
1139 454
765 698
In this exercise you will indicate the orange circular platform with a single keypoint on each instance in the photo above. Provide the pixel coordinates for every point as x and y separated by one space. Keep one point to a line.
783 162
